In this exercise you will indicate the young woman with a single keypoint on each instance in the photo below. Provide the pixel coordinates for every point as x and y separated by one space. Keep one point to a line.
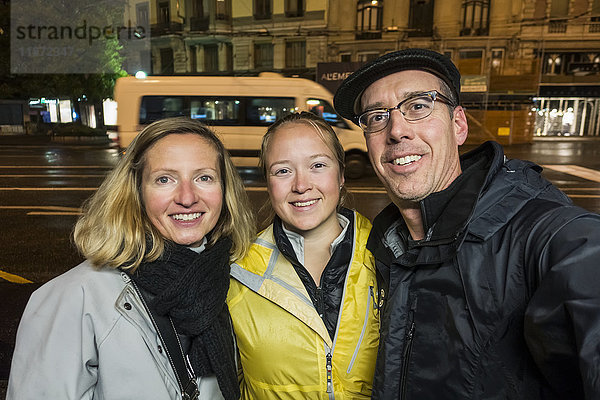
303 300
158 236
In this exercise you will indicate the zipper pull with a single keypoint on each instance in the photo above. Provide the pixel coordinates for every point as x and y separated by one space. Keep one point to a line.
329 377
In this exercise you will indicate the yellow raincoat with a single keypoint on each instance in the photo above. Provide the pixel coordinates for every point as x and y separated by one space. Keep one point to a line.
285 349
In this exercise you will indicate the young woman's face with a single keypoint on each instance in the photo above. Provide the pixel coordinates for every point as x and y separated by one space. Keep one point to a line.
181 188
303 178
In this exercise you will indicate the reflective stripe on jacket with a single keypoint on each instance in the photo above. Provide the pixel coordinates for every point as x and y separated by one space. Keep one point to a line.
284 346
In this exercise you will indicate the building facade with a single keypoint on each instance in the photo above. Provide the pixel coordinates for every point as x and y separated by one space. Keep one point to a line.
530 67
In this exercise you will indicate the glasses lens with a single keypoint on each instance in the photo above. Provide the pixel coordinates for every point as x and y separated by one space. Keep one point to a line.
417 107
373 121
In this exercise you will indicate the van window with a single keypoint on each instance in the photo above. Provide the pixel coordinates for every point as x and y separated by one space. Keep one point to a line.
157 107
324 110
266 110
216 111
223 110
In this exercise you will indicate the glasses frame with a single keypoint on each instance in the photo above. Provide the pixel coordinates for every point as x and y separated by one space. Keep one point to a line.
433 94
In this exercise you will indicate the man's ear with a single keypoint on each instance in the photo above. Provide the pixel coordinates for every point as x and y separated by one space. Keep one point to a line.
461 127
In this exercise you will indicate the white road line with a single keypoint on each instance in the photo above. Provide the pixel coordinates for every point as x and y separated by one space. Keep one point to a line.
576 170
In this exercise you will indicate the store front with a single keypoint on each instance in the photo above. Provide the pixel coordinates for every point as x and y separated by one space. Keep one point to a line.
567 116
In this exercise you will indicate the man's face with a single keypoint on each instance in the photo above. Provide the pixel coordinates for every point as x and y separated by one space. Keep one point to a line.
414 159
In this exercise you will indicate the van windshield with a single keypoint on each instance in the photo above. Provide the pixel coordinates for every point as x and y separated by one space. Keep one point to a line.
323 109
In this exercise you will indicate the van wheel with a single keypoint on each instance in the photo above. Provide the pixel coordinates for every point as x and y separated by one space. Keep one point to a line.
356 165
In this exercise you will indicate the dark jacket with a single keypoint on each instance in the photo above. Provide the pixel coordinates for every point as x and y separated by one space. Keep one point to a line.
327 296
501 300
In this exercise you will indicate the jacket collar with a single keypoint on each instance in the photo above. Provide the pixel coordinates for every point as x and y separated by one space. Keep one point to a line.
342 257
445 214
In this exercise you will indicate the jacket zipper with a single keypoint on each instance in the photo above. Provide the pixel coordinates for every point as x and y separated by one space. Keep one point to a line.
320 308
407 352
329 374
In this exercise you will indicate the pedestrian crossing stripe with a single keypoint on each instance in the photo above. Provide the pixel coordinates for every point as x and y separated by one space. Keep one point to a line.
13 278
576 170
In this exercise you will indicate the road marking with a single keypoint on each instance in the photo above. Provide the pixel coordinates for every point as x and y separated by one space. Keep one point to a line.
365 189
53 176
53 213
576 170
55 166
49 208
47 188
13 278
580 189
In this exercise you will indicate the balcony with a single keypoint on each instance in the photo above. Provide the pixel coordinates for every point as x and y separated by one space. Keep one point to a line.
368 35
199 23
165 28
557 26
594 25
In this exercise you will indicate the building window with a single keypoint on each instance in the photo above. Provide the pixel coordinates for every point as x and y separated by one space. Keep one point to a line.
367 56
475 18
553 64
142 15
294 8
559 9
263 55
223 10
164 13
470 62
197 8
193 59
228 57
166 61
497 61
211 58
595 18
345 57
295 54
421 18
369 16
262 9
198 18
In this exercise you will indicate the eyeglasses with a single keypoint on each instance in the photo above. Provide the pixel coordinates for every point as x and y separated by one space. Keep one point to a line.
413 108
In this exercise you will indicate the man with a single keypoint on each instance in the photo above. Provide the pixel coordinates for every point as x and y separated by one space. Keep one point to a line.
493 275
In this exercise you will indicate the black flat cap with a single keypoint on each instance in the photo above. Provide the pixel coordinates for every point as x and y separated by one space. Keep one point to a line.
347 97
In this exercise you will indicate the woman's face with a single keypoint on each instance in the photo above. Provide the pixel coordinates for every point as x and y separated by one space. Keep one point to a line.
181 188
303 178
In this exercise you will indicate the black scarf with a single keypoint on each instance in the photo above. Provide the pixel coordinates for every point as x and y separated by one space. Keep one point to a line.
191 288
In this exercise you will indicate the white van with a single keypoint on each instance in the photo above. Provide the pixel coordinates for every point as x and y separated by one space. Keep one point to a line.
239 108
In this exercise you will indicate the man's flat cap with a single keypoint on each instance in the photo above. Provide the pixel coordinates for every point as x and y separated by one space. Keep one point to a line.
347 97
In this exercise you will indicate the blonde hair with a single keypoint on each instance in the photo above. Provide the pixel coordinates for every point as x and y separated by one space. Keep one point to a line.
327 135
114 230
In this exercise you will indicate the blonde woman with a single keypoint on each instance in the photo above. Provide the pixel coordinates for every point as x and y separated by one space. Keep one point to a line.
304 299
158 236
